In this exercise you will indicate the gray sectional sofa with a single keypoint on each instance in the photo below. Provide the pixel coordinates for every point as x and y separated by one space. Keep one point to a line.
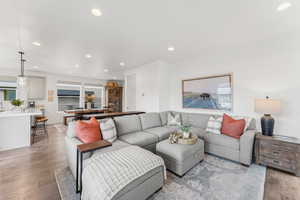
146 130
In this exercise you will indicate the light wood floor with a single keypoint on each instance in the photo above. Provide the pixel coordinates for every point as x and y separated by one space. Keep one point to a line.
28 173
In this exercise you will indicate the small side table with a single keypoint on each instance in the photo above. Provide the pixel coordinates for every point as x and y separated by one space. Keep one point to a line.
279 152
84 148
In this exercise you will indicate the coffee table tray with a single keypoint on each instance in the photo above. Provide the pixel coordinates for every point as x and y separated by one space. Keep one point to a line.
192 140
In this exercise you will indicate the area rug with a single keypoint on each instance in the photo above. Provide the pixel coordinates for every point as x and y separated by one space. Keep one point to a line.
212 179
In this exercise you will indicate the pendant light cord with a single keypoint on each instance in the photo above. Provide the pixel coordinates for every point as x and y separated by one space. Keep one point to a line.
19 29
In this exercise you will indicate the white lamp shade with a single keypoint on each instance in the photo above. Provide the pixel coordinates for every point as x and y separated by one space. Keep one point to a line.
267 106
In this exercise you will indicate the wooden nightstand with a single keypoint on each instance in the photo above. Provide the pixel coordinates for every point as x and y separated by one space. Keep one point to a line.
278 152
84 148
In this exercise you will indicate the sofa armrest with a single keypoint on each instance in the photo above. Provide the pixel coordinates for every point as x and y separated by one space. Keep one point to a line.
71 152
246 147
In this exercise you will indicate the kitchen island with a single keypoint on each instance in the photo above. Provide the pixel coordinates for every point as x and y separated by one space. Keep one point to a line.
15 128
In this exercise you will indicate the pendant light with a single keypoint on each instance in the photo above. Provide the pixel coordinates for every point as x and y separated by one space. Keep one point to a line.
22 80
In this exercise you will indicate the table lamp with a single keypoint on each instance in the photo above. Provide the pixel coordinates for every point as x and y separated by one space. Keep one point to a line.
267 106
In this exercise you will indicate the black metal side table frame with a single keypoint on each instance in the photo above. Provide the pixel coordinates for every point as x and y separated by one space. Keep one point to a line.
85 148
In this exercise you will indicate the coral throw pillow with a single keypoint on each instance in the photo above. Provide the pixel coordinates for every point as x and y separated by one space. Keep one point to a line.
88 131
232 127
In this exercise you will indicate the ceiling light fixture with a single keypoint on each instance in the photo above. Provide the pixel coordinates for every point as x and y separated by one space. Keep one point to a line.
36 43
283 6
88 55
114 78
96 12
171 48
76 66
35 67
122 64
105 70
21 79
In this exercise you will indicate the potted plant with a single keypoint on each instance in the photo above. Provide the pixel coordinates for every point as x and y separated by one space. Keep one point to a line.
17 103
89 100
186 131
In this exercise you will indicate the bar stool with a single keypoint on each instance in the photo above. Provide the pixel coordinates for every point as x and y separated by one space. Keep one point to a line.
39 126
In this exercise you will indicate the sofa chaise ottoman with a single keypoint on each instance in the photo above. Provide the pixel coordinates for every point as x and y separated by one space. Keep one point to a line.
139 189
179 158
130 173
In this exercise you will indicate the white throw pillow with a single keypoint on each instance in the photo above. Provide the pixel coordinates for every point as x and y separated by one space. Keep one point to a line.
174 120
214 124
108 130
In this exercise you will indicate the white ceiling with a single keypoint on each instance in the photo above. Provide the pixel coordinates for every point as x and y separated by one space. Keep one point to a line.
133 31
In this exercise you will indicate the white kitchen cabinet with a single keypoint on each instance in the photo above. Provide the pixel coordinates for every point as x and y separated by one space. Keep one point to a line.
36 88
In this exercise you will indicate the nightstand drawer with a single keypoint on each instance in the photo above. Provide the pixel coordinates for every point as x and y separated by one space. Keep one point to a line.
278 146
289 166
278 153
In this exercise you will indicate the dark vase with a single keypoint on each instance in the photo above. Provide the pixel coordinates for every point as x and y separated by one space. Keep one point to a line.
267 125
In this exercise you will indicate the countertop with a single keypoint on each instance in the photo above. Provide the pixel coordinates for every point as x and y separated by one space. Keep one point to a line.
29 112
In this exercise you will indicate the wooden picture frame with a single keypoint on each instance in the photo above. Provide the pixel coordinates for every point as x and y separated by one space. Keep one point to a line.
210 92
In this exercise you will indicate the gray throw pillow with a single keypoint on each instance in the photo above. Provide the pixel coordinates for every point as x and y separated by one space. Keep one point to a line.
174 120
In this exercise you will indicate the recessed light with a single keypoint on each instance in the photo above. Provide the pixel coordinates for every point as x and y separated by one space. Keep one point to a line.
36 43
96 12
114 78
122 64
105 70
35 67
283 6
76 66
171 48
88 55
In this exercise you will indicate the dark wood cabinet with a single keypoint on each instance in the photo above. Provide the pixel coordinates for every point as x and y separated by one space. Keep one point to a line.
278 152
114 98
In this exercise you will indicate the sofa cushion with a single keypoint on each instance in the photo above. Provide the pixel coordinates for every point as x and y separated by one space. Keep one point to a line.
140 138
116 145
174 119
88 131
108 129
200 132
161 132
222 140
214 124
172 128
150 120
231 127
247 120
127 124
195 119
164 118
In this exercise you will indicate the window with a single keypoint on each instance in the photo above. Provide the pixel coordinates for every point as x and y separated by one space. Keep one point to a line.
7 90
68 96
95 95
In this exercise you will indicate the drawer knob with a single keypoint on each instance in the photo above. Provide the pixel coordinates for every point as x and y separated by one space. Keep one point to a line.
276 161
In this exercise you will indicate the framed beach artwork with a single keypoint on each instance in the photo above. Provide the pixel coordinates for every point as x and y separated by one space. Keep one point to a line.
212 92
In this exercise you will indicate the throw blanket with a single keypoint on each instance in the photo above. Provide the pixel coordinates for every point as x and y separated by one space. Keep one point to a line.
104 175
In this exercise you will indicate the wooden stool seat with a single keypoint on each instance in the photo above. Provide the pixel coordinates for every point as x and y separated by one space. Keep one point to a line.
39 126
41 119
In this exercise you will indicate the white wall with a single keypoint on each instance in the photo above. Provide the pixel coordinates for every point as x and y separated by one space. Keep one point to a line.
151 86
264 69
